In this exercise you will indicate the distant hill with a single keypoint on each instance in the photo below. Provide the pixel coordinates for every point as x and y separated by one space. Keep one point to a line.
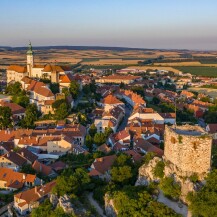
84 48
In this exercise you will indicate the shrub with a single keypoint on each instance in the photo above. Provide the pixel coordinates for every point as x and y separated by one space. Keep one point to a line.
159 169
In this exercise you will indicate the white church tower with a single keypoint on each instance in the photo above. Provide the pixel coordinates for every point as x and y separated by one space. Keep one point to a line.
30 59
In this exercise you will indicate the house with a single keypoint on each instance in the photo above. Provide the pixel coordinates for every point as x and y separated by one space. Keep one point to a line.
186 94
212 129
123 137
143 146
169 118
104 148
43 169
28 155
12 160
5 147
18 112
41 95
111 118
117 79
101 167
110 102
12 181
136 157
58 166
16 73
25 201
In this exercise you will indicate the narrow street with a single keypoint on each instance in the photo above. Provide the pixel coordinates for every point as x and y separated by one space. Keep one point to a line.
128 111
95 205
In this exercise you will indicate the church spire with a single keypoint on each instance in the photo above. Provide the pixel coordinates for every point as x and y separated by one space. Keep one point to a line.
29 51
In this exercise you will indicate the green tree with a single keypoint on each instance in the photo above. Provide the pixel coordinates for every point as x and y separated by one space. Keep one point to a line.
121 174
99 138
65 90
170 188
89 142
75 183
108 132
5 117
21 99
203 203
61 112
55 88
92 130
14 89
74 89
159 169
31 115
44 210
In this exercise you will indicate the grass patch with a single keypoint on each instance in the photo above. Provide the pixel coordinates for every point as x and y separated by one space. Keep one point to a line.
199 70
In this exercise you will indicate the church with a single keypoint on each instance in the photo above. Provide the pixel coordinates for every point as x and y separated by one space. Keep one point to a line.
48 71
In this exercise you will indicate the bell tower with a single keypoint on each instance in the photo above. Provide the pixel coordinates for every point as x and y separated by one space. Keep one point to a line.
30 59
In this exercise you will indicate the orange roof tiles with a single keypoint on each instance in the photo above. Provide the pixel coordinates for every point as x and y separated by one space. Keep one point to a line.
17 68
110 99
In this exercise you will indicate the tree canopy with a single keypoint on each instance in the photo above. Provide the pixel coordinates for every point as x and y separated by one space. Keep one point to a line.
5 117
74 89
203 203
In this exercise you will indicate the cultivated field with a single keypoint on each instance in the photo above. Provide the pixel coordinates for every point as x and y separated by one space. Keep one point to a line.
208 91
199 70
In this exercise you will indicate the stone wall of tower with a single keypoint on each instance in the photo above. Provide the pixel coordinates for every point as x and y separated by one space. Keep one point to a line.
187 154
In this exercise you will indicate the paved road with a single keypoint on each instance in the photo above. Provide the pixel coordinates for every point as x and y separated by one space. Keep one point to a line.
128 111
173 205
95 205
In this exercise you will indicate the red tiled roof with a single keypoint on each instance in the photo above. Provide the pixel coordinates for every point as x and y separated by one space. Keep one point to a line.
42 168
104 164
15 108
110 99
17 68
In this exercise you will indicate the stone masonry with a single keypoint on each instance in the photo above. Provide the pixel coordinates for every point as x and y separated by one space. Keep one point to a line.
187 151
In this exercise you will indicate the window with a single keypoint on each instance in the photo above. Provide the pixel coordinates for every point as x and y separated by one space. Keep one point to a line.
173 140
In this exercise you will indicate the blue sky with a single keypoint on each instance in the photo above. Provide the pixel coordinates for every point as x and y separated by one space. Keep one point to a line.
190 24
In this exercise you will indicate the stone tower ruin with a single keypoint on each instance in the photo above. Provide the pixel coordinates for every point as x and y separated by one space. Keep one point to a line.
187 151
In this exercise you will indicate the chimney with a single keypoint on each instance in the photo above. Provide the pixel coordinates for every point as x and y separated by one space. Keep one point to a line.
22 153
36 191
8 154
24 176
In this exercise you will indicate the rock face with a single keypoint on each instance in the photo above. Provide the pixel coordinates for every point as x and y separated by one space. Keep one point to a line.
146 172
54 200
65 203
109 207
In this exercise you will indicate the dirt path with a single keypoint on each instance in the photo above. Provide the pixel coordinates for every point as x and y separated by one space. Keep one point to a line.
95 205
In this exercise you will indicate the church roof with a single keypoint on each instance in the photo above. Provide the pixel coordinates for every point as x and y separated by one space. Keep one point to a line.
52 68
17 68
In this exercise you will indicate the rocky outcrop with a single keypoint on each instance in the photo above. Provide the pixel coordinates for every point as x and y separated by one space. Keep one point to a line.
54 200
65 204
109 207
146 172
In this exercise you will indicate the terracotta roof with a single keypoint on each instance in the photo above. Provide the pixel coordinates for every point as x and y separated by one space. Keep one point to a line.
104 148
34 194
67 78
15 108
167 115
52 68
17 68
104 164
42 168
121 77
147 146
15 158
58 165
135 155
40 88
15 179
110 99
49 102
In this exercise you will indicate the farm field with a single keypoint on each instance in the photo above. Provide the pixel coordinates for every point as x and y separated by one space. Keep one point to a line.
208 91
199 70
